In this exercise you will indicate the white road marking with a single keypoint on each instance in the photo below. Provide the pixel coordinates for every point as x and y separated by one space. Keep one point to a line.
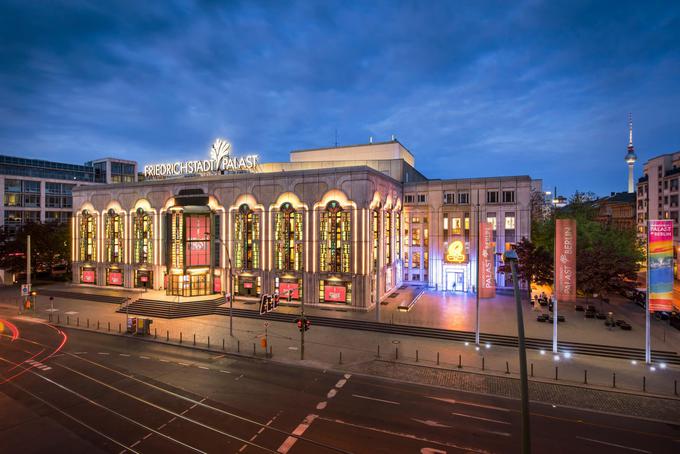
203 367
183 364
612 444
292 348
80 353
253 437
299 430
431 423
431 451
347 376
238 377
404 435
102 353
260 431
242 448
470 404
70 313
144 357
375 399
331 394
146 436
321 405
164 360
225 371
341 383
135 443
480 418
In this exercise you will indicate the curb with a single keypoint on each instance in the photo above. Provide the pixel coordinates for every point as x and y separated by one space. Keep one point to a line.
332 366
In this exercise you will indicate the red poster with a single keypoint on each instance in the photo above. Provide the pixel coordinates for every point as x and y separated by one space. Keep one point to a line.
565 260
88 276
286 288
144 278
217 284
115 278
487 284
334 293
247 285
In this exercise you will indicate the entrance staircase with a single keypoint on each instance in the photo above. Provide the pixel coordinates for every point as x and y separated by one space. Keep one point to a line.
100 298
166 309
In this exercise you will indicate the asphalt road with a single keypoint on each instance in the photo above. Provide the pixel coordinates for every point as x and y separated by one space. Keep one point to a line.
73 391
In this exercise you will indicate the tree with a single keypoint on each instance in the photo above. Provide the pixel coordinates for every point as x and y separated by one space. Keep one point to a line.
607 259
50 246
534 263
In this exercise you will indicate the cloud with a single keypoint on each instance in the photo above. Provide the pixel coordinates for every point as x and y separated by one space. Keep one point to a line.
472 89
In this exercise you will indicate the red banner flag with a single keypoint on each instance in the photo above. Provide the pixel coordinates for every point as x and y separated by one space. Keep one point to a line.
565 260
660 265
487 284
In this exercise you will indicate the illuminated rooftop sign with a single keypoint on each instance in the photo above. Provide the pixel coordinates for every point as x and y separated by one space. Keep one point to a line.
220 161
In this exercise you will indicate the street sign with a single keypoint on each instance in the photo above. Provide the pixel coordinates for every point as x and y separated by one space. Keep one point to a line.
25 289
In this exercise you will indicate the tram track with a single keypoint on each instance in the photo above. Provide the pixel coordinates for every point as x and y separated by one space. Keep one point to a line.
175 397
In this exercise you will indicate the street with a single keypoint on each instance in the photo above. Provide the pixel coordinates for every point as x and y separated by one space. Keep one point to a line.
102 393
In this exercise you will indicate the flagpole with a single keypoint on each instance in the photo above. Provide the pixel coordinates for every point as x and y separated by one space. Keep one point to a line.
555 290
648 340
479 224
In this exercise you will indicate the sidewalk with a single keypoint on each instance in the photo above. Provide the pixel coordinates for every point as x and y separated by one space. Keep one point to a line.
457 311
324 345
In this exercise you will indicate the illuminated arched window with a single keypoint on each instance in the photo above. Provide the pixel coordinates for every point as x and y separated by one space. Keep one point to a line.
288 239
397 234
143 237
335 238
87 235
388 237
375 229
113 233
247 238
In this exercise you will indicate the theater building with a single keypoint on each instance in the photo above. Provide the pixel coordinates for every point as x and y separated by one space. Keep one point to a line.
334 226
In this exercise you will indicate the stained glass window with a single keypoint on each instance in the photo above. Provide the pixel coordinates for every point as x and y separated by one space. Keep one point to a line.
247 238
113 226
335 238
143 237
88 237
288 238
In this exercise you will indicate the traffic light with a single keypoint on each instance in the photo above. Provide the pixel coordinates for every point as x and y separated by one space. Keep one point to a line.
270 303
307 323
276 300
299 324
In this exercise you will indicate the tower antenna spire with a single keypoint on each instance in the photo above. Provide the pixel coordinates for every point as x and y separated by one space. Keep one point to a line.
630 156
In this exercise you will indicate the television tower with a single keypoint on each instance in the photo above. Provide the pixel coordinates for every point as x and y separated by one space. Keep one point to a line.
630 156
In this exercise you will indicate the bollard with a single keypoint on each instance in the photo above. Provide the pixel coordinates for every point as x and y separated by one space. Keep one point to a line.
416 355
585 377
194 338
271 351
97 325
88 322
238 346
68 319
460 361
50 317
208 341
378 351
437 358
644 384
167 335
180 337
58 319
613 379
482 363
108 326
675 387
507 367
253 348
556 373
78 321
223 343
155 334
396 353
119 331
340 360
532 369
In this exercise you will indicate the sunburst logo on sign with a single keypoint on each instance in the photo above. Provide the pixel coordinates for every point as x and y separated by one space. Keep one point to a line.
455 253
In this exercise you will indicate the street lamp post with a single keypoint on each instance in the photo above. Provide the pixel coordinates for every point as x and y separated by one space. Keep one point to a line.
511 257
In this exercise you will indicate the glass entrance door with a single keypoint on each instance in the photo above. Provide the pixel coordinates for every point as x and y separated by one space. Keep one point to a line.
188 285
